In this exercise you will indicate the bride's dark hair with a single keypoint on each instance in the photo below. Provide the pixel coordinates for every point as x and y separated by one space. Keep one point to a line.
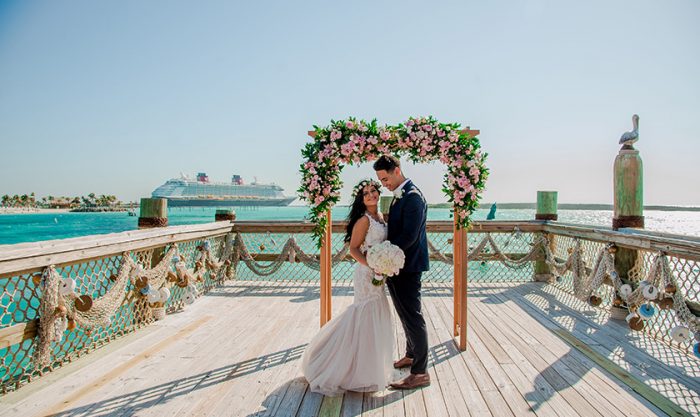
358 208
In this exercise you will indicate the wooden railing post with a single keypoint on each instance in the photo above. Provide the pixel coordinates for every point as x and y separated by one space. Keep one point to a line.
326 271
153 212
546 210
223 215
628 207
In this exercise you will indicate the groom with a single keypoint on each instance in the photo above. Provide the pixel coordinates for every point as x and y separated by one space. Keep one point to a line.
407 230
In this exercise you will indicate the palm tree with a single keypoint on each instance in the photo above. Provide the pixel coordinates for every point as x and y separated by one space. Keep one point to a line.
24 200
5 200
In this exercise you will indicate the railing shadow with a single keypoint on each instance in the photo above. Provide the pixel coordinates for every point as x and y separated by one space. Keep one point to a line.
135 401
272 404
642 352
301 293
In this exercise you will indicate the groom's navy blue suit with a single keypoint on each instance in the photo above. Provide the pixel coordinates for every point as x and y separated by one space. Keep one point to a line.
407 217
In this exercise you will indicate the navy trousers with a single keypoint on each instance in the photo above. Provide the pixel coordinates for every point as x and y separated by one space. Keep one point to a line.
405 293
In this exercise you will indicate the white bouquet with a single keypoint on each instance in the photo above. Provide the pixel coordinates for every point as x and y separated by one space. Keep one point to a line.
385 259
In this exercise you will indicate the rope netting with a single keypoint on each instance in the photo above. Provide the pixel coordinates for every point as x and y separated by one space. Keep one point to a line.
73 309
656 294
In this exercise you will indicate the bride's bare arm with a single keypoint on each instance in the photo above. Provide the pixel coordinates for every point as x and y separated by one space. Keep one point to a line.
359 233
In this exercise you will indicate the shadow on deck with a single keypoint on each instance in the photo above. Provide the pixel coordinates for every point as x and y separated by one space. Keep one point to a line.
237 352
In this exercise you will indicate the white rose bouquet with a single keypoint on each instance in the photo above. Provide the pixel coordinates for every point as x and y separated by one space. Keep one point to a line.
385 259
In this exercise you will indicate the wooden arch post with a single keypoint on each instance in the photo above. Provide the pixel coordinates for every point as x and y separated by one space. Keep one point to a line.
461 265
326 271
326 264
460 248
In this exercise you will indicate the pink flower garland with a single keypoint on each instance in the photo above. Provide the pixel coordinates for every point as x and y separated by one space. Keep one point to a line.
421 139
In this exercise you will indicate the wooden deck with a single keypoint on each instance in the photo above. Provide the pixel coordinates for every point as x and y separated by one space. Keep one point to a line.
237 350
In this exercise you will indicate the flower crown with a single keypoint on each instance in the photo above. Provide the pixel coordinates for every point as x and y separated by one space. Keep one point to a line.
364 183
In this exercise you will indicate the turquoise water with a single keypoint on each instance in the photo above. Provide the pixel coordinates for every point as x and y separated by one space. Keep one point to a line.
16 228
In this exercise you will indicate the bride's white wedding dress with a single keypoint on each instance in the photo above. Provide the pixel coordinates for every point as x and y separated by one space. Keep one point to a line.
353 351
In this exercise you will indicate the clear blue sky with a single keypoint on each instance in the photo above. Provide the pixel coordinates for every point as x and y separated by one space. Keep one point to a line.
116 97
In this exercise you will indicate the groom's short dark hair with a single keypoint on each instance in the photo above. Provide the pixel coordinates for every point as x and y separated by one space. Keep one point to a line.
387 163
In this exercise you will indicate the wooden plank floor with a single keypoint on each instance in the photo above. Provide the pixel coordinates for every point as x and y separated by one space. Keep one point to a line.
237 350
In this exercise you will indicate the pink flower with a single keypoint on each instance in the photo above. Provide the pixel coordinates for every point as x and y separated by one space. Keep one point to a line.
410 122
441 133
319 199
349 124
335 135
363 128
384 134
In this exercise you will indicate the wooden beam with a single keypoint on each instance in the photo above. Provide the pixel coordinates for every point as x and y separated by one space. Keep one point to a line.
687 247
17 333
471 132
432 226
29 258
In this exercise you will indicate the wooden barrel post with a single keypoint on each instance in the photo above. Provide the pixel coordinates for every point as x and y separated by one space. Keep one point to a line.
385 205
461 267
153 212
223 215
546 210
628 208
326 271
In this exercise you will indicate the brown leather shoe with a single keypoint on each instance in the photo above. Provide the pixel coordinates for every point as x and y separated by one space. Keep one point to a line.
412 381
404 362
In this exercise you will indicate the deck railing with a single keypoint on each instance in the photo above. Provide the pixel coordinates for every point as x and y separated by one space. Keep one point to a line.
190 260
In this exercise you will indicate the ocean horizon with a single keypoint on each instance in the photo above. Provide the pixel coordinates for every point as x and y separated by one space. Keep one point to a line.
32 227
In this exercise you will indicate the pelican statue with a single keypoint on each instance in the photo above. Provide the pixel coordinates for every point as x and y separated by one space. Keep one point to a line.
629 138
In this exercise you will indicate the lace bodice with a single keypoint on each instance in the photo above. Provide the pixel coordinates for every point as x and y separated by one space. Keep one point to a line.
375 234
362 277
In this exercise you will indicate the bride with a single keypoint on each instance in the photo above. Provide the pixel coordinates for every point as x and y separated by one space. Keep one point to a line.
353 351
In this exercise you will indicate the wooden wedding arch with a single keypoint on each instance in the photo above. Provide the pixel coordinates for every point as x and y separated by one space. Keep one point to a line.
460 262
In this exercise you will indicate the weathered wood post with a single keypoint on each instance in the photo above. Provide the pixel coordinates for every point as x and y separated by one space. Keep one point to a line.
546 210
628 208
385 205
228 215
153 212
223 215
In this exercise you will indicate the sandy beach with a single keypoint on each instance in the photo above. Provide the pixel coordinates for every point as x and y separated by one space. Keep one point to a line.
25 210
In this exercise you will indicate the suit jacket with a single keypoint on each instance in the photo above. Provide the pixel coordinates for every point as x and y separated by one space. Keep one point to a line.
407 217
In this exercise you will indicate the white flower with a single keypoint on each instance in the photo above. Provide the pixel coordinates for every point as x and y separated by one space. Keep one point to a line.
385 258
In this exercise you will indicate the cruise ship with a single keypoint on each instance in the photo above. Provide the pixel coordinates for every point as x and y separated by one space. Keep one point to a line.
200 192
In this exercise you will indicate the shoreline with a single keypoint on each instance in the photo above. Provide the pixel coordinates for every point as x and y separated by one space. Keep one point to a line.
24 210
